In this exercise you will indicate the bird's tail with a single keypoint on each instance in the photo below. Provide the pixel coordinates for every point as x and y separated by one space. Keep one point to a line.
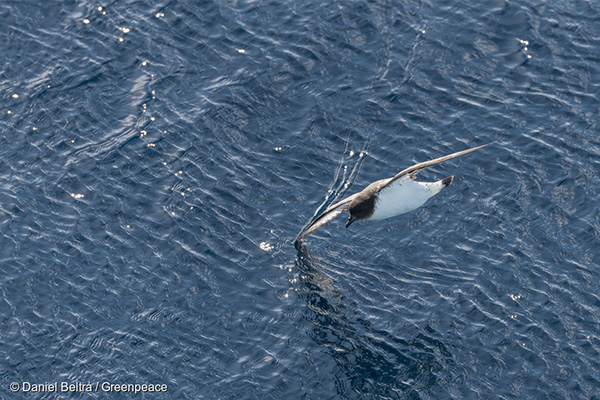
447 181
436 187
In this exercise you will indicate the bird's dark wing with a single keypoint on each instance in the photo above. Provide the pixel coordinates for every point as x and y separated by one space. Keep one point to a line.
417 167
326 216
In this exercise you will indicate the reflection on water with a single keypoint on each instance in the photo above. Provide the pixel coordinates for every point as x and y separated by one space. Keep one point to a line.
373 361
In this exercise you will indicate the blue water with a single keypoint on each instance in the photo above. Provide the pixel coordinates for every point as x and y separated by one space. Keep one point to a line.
158 159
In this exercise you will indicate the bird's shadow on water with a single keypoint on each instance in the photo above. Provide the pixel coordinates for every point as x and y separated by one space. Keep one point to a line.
398 364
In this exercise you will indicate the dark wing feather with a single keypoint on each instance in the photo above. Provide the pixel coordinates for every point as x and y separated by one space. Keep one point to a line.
417 167
326 216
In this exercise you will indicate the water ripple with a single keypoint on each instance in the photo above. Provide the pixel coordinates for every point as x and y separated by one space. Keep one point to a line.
158 161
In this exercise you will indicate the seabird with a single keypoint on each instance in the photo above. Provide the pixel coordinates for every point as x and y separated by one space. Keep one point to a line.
387 197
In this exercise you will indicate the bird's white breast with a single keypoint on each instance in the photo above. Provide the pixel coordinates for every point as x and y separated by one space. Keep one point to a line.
402 196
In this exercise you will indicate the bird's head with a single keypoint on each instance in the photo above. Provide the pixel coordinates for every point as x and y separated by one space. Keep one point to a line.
361 208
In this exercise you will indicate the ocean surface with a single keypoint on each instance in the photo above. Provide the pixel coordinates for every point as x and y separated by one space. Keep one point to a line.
158 160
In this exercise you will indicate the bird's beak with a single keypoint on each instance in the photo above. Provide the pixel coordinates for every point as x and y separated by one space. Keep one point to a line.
351 219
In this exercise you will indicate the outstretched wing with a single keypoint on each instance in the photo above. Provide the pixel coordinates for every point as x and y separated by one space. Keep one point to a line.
417 167
326 216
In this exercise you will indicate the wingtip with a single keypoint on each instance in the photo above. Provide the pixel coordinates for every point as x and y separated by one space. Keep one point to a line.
487 144
481 147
